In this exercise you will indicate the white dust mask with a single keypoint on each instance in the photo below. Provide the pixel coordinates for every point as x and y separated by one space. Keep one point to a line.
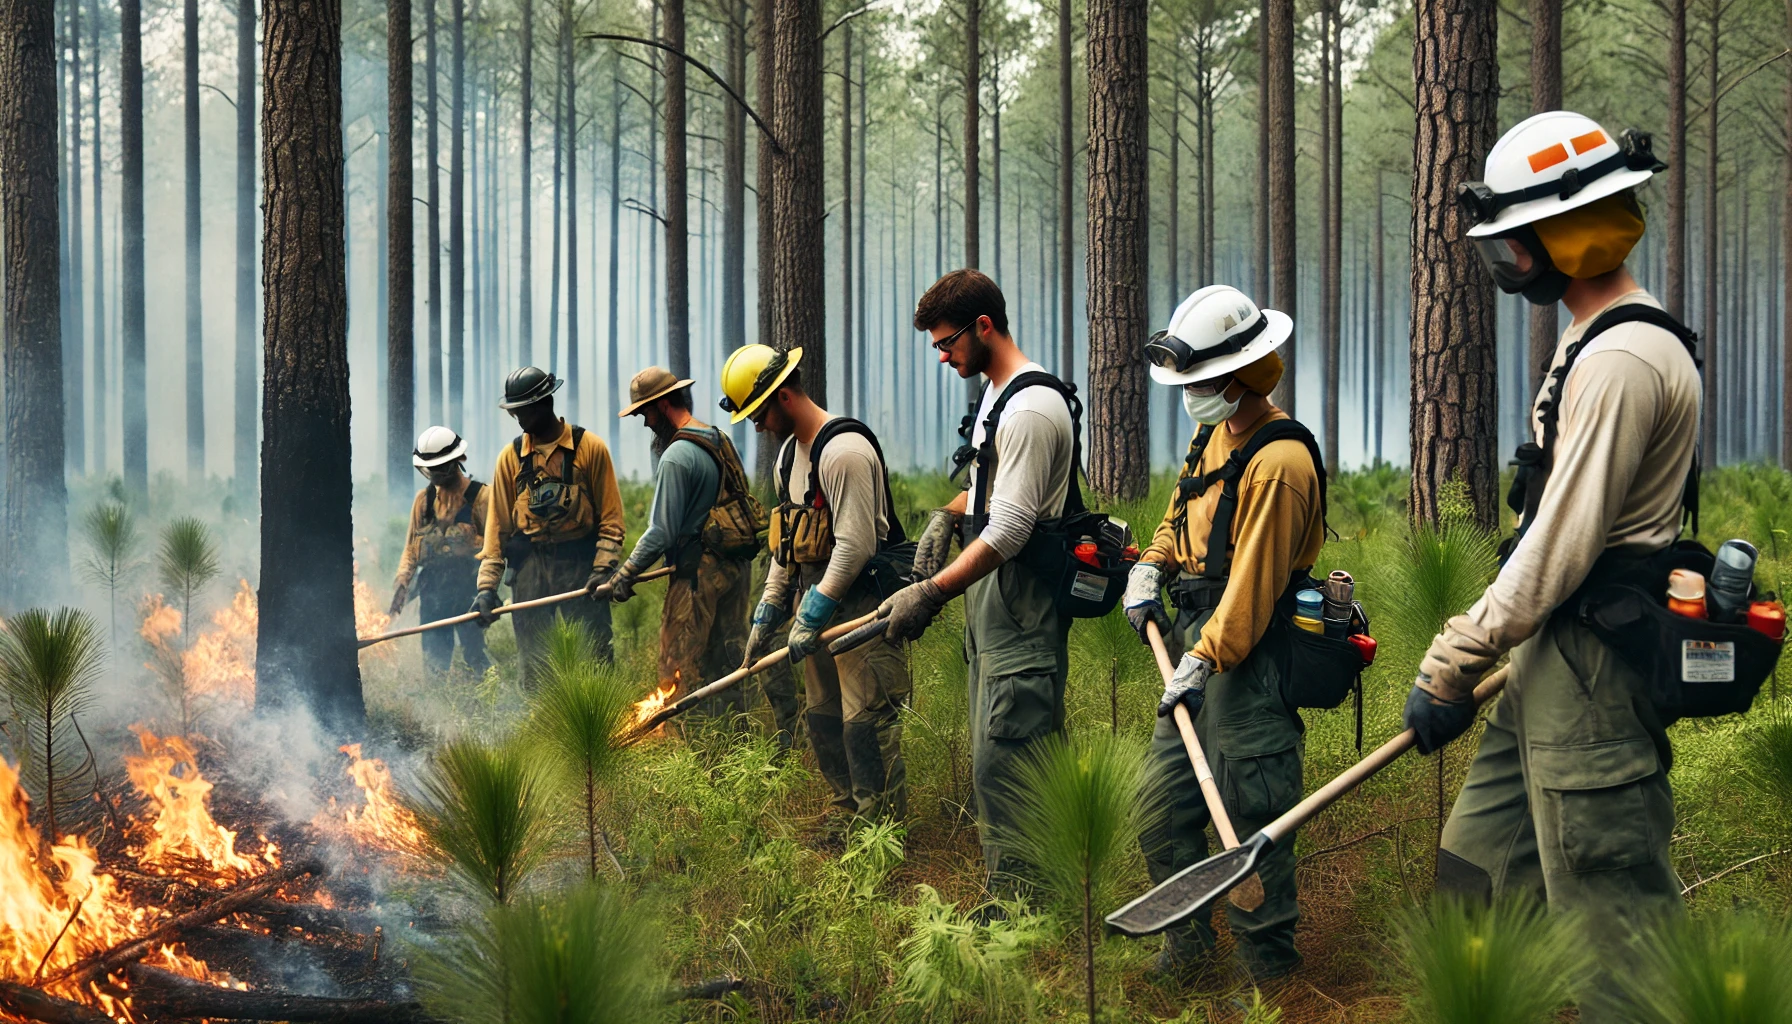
1209 409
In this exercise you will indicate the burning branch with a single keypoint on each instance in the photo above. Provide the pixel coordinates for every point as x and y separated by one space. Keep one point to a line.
103 963
35 1004
164 995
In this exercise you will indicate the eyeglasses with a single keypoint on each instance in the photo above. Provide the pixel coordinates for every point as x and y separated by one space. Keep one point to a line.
945 344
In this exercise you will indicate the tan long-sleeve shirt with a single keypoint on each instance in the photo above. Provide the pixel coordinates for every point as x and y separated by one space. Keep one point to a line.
1277 528
1624 443
852 482
441 536
600 511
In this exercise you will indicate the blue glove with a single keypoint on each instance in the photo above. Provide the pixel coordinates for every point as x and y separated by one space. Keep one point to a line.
767 617
1187 686
1436 721
813 617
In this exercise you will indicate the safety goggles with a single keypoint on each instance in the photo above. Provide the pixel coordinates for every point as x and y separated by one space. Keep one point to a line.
760 383
1515 259
1166 351
945 344
1636 152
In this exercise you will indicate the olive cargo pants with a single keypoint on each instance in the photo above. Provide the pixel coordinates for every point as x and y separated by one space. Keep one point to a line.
543 575
703 630
442 588
1017 649
854 701
1253 744
1568 801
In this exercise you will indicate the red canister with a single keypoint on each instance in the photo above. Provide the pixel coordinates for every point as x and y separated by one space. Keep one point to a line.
1768 619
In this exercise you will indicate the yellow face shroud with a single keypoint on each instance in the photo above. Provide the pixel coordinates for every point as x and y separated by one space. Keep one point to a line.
1594 239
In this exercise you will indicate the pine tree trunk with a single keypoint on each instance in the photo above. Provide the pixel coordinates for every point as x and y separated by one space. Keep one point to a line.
865 360
1119 214
400 274
734 186
432 167
134 406
849 394
572 224
973 131
765 97
195 312
457 228
1066 276
1785 410
305 644
1455 407
525 299
243 451
614 358
1678 159
74 352
801 291
677 206
1714 364
102 399
1260 220
36 502
1328 267
1379 382
1546 94
1282 186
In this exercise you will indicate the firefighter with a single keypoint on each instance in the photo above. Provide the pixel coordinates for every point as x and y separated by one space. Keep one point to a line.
441 549
837 551
1567 798
1015 640
1220 350
705 523
555 523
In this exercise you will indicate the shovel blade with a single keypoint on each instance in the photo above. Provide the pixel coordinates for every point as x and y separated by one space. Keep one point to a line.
1178 897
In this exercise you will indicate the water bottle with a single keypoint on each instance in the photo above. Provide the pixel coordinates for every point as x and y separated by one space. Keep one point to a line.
1726 591
1307 606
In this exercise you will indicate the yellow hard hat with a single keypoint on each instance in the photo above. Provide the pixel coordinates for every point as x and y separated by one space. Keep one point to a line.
751 374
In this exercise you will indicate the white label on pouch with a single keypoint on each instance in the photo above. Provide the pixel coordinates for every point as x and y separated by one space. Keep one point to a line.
1088 587
1706 661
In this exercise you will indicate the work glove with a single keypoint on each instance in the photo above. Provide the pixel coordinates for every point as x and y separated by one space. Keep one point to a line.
1187 686
1144 600
767 617
911 609
813 617
1436 720
621 581
484 604
934 545
400 594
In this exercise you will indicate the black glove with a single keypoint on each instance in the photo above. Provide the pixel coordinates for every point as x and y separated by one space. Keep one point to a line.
911 609
400 594
484 604
621 581
1435 720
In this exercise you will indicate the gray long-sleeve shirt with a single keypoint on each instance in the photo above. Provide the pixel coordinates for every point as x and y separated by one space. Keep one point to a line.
684 490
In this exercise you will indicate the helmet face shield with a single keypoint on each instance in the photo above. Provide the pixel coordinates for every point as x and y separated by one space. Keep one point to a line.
1515 259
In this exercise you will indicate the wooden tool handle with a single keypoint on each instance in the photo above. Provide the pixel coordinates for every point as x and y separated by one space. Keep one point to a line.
539 602
1210 790
859 636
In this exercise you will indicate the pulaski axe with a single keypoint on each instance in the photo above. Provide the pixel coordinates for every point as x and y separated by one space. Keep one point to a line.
1178 897
505 609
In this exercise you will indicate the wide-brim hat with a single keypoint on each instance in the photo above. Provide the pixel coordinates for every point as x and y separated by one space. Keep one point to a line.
765 383
438 446
528 385
650 385
1223 320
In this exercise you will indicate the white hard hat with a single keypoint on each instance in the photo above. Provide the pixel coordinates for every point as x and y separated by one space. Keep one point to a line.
436 446
1551 163
1215 331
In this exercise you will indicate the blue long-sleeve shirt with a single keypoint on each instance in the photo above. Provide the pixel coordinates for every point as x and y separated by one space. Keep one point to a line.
684 490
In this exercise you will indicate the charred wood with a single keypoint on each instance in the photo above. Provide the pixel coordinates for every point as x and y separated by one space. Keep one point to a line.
163 995
37 1005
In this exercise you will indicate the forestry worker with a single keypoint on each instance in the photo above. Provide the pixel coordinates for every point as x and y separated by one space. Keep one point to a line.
441 549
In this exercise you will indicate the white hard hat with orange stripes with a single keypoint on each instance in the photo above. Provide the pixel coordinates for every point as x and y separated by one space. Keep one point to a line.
1550 163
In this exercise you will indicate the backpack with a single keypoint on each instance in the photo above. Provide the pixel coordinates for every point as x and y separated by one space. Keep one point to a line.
1084 555
731 532
551 498
803 532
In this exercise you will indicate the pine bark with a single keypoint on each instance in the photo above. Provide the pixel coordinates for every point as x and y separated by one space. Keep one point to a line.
573 377
432 186
1066 201
525 300
1284 285
1714 363
800 292
243 451
614 349
849 393
677 205
457 228
400 273
973 132
305 647
765 96
74 352
1119 452
1786 282
1546 94
734 186
1455 410
36 503
195 311
134 406
102 400
1260 216
1678 160
1328 265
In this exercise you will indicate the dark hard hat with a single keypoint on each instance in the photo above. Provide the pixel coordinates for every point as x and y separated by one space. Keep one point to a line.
527 386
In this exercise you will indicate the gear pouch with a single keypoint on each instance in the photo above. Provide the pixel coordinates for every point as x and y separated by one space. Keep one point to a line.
1691 668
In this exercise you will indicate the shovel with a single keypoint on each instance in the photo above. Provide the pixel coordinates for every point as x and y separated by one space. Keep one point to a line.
697 696
540 602
1177 898
1249 893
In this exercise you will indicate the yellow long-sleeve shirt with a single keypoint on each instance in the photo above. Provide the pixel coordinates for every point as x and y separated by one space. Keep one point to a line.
1277 529
600 509
441 536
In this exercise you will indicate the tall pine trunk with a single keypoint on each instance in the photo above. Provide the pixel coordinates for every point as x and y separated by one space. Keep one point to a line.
1713 363
848 393
102 401
1546 94
134 406
74 353
765 96
1328 265
800 291
400 274
677 206
1119 215
1455 407
195 311
1679 158
573 380
432 186
457 229
1066 276
614 358
1260 220
734 186
1786 281
243 450
36 503
973 131
525 300
1281 186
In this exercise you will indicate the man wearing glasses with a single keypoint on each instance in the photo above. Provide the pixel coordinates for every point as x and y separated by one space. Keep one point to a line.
1014 639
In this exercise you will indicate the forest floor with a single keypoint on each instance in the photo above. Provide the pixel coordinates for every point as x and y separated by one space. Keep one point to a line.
728 842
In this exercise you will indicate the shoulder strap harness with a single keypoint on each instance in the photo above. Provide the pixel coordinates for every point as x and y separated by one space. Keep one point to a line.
527 474
985 454
1192 485
718 447
465 515
814 498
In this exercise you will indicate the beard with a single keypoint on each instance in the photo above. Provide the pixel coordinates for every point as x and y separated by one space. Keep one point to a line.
976 356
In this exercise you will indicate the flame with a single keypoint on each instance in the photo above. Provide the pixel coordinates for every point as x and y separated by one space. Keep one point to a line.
650 705
370 618
220 664
183 831
383 822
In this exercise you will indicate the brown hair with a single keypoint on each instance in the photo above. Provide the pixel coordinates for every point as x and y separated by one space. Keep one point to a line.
960 297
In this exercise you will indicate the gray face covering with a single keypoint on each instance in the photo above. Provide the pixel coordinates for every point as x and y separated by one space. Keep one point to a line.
1210 408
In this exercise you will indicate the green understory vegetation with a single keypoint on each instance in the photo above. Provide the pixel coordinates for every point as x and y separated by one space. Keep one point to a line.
717 849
